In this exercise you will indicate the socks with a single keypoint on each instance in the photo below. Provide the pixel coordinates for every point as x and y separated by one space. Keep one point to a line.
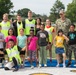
57 63
63 61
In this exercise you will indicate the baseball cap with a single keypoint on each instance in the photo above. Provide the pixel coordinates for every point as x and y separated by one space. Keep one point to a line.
61 11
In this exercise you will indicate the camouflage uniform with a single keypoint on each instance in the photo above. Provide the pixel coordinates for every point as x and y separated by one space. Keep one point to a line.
64 25
72 48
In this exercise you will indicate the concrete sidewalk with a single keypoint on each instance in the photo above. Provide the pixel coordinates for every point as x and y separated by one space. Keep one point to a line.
50 70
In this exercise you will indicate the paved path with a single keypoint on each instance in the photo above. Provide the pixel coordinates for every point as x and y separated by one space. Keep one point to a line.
51 70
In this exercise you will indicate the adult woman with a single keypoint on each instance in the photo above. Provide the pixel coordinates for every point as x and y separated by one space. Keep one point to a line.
50 31
38 24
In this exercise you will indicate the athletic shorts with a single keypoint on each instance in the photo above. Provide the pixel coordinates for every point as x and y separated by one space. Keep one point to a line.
2 55
22 52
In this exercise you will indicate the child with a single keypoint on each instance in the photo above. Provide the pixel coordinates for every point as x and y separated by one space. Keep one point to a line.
32 47
1 47
59 44
43 42
10 36
13 55
72 43
22 42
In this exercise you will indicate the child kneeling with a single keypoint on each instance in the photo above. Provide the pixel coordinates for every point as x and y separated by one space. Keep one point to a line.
13 56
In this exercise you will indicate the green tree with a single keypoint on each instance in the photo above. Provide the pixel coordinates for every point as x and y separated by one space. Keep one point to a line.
13 12
71 11
44 17
54 11
5 6
74 1
23 12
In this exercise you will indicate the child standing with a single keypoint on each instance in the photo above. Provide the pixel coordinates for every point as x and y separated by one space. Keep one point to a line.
72 43
1 47
22 42
10 36
32 47
59 44
43 42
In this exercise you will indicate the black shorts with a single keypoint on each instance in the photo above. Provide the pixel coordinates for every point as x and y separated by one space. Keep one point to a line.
22 52
27 36
2 55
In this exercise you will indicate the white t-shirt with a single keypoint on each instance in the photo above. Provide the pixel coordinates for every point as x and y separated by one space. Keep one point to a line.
1 38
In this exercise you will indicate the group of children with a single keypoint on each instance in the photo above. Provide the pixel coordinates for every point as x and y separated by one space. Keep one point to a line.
16 47
71 42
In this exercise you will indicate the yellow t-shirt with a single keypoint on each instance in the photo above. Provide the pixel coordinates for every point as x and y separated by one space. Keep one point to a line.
59 41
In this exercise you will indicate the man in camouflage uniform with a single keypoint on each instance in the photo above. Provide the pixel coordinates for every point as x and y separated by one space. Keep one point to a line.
64 24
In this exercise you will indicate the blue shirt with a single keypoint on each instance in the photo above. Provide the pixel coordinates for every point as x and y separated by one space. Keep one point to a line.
21 41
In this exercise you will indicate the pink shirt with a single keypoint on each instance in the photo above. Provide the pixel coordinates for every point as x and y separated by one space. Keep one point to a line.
33 43
10 37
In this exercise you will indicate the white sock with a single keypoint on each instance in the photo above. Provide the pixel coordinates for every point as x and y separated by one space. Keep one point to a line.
57 62
63 61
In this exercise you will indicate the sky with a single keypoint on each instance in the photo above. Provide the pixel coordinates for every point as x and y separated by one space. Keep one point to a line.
38 6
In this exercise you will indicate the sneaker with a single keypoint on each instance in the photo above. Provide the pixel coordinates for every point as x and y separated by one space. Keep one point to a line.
75 64
69 63
57 65
22 66
16 69
0 65
39 65
32 67
45 65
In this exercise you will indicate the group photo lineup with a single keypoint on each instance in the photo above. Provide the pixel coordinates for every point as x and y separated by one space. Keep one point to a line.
38 37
